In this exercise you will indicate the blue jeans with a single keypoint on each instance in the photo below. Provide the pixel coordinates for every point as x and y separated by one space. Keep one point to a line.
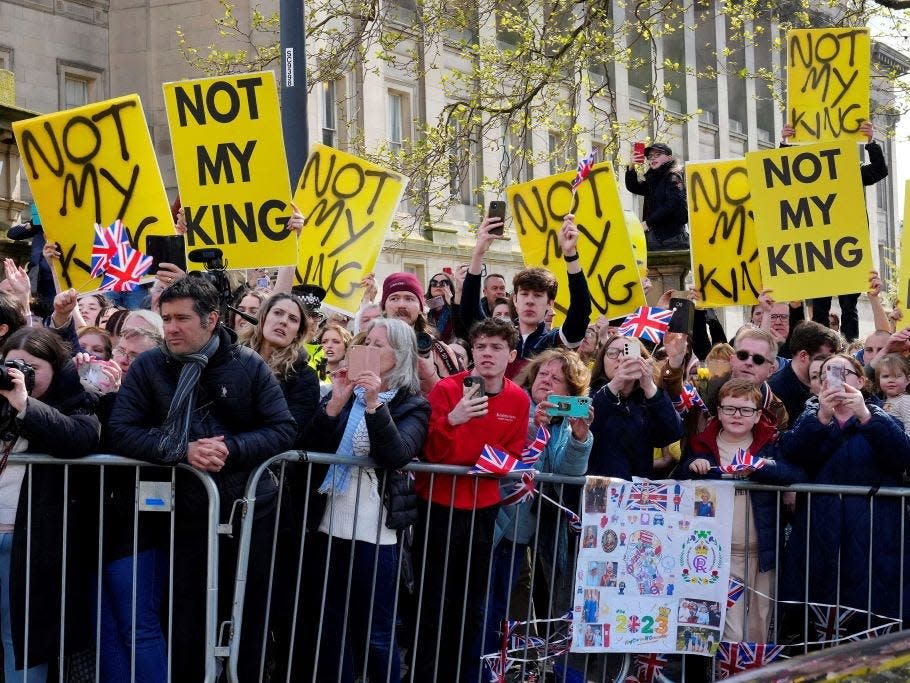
117 616
508 561
10 673
347 644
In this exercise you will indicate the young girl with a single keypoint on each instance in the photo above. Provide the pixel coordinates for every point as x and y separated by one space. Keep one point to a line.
891 373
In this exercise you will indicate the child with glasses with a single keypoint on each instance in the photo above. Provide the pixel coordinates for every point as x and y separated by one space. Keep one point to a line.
739 426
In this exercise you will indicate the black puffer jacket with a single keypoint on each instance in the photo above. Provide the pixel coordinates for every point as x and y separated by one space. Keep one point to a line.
301 390
664 191
61 424
238 396
397 432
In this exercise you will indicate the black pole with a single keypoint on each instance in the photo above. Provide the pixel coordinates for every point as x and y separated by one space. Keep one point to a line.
294 88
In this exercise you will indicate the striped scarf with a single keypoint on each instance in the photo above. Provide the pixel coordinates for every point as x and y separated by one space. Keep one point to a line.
176 428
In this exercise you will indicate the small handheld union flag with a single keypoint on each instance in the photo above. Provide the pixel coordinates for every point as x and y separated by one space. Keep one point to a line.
584 168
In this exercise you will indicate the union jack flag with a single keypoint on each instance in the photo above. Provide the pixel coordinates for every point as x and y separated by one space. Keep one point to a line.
584 168
649 667
533 450
522 642
742 460
831 621
688 400
648 323
496 668
735 591
648 496
123 272
496 462
574 521
107 243
522 491
733 658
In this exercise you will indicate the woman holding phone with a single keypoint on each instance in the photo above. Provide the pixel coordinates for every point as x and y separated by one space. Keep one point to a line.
847 439
551 373
442 309
633 416
356 512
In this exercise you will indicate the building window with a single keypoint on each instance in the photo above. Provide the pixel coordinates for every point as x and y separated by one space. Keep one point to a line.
79 84
6 58
75 92
329 118
396 121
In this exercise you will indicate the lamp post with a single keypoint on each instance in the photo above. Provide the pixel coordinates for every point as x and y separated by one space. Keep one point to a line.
294 120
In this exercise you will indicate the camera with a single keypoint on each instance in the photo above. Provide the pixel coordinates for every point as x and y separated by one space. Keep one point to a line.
27 371
424 344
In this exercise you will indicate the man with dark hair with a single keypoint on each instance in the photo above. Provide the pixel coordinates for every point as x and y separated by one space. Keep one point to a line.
533 291
457 519
791 383
494 287
203 401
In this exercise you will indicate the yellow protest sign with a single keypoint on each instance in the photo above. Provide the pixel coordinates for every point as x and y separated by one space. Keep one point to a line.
348 204
93 164
722 233
903 285
810 220
828 83
604 247
231 169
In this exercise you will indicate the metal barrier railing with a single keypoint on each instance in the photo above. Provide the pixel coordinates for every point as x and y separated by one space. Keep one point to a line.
313 589
147 496
302 600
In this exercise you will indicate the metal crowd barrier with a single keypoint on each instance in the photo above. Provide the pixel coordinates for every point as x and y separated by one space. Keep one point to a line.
149 496
297 570
303 598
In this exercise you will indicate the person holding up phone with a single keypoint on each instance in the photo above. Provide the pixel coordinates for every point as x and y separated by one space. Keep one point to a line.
847 439
442 297
456 519
633 416
554 372
533 293
377 413
664 214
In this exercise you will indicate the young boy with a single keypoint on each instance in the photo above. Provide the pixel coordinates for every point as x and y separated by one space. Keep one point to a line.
456 519
533 294
739 426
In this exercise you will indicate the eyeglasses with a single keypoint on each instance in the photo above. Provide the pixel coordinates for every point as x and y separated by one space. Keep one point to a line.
847 371
780 317
591 333
439 283
124 354
730 411
757 358
613 354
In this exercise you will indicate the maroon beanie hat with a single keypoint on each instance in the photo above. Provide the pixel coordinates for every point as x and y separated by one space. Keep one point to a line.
401 282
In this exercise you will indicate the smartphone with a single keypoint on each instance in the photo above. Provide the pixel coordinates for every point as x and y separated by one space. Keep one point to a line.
92 375
436 302
631 348
569 406
166 249
447 270
835 376
362 358
638 148
473 386
497 209
683 319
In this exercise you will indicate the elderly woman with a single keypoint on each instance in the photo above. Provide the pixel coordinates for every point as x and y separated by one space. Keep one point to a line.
379 414
633 415
554 372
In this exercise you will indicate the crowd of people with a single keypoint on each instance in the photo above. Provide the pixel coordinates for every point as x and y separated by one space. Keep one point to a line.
385 562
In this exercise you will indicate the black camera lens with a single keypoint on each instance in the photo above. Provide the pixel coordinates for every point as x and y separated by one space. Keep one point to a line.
424 343
27 371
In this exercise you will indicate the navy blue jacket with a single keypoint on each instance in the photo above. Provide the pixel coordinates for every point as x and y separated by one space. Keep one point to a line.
664 208
839 541
789 389
764 503
238 397
627 430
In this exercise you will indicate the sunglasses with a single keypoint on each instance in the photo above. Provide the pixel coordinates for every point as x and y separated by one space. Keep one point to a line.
439 283
757 358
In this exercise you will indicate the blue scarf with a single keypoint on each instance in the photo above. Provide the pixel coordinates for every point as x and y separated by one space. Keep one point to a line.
339 476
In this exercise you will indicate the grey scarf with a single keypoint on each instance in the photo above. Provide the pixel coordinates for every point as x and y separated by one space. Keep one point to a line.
176 428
